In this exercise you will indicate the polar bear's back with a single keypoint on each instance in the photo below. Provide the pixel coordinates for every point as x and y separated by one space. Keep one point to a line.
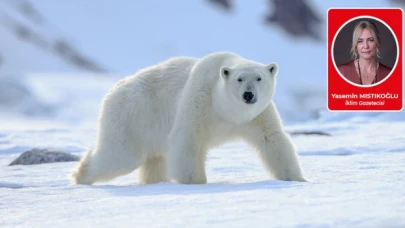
147 101
163 83
168 76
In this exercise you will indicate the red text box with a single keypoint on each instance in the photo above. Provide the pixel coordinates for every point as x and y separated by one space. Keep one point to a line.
345 96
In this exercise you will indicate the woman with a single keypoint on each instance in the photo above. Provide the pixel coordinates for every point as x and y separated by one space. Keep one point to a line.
365 69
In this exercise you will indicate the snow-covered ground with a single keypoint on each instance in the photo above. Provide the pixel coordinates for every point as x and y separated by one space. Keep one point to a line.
356 181
45 102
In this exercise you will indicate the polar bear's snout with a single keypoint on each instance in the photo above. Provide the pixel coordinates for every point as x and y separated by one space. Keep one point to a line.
249 97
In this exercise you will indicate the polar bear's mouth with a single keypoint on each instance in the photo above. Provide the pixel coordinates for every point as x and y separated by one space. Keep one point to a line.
251 102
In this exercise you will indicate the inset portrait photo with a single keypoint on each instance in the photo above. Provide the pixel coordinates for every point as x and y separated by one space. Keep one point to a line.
365 51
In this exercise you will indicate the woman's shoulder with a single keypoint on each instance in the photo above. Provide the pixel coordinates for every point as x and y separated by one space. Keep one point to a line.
383 70
348 64
348 71
345 66
384 67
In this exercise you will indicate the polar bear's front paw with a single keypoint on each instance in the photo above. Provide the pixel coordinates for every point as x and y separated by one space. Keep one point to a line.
299 179
293 177
302 179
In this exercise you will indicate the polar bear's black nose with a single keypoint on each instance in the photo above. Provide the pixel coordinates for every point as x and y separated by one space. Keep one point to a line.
248 96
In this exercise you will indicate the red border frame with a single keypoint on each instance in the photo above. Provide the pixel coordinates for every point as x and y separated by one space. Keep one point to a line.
337 85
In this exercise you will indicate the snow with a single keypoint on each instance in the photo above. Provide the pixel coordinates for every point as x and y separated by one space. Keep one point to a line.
355 179
45 102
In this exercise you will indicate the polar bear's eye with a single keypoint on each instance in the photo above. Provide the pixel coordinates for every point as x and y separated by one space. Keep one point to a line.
259 79
240 79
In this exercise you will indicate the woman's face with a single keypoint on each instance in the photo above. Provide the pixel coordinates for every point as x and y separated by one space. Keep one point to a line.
366 46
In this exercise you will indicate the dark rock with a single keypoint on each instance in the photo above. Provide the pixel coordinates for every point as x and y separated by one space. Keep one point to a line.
40 156
321 133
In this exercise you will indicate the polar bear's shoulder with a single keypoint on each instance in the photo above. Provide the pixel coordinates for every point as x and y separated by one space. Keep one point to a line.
219 57
179 61
214 61
222 56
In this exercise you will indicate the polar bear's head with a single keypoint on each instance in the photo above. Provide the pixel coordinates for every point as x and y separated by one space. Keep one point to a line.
247 89
251 83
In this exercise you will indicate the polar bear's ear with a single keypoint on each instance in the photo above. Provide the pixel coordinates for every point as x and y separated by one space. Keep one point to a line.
272 68
225 72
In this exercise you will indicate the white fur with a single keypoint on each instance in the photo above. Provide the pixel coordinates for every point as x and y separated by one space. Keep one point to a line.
166 117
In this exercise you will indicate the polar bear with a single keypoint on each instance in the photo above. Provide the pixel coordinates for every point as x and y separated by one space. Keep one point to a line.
165 118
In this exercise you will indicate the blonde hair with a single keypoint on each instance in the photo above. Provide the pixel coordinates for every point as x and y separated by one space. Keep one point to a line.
358 29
